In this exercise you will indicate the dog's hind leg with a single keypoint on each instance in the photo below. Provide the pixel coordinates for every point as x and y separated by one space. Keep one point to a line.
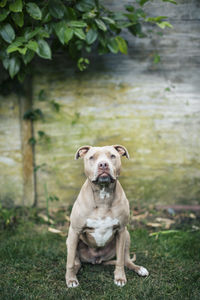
126 253
129 262
77 264
109 262
113 262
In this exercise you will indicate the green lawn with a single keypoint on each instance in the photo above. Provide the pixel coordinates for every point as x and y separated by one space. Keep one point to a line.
32 266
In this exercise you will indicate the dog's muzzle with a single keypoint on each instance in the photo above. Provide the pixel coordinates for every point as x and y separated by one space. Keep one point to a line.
104 178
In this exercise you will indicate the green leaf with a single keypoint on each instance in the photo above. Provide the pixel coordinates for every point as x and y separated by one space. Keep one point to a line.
28 56
32 45
70 13
14 66
129 8
103 41
164 24
113 45
55 105
53 198
82 65
163 232
171 1
122 45
140 13
7 33
4 14
167 89
108 20
89 15
43 50
68 34
20 39
29 33
13 47
18 18
91 36
56 9
33 114
142 2
156 19
16 6
46 17
122 25
133 17
42 95
5 62
85 5
79 33
118 16
79 45
32 141
22 50
44 33
77 24
101 24
156 58
3 3
34 11
16 46
21 76
135 29
60 29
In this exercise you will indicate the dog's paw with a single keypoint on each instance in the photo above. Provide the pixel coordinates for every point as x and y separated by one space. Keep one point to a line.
72 283
142 271
120 282
120 276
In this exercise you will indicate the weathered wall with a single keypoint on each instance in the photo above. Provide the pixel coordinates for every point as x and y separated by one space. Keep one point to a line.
10 152
152 109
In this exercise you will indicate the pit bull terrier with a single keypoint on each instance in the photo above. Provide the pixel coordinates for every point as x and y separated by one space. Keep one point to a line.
99 216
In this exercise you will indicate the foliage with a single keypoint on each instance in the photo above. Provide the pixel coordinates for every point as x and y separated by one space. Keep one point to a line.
49 197
41 28
7 217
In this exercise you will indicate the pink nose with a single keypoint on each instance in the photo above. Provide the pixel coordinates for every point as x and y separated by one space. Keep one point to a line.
103 165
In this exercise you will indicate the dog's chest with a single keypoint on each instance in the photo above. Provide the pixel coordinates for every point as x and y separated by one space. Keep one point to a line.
103 194
103 229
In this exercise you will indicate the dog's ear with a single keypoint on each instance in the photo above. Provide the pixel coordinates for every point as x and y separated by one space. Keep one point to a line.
82 151
122 150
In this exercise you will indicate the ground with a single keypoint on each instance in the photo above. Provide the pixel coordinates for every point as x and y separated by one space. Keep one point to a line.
32 260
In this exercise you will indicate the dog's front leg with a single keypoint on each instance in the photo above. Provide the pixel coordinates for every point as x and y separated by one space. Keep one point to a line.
72 242
119 274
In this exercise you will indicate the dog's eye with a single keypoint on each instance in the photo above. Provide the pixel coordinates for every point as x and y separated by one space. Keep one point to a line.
91 157
113 156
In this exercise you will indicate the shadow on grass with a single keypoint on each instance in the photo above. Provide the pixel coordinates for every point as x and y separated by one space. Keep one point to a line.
32 266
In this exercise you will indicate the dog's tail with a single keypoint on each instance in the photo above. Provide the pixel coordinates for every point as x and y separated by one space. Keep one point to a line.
113 262
133 258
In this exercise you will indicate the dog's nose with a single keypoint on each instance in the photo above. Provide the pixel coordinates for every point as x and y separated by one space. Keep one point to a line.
103 165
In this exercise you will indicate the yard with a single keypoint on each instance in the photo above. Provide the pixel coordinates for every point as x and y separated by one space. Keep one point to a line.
138 89
32 260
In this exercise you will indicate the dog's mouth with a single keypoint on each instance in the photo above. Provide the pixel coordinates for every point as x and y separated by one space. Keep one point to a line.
104 178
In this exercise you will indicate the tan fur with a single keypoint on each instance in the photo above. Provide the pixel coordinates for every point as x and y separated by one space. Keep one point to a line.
99 203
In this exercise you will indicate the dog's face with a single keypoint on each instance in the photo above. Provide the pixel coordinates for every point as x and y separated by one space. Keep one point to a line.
102 164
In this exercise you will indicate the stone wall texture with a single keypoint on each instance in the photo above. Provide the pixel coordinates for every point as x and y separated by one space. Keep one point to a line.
152 109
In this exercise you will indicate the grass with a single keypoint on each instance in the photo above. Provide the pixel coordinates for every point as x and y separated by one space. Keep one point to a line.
32 266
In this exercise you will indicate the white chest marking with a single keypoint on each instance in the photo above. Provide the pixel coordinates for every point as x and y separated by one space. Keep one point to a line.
104 194
103 229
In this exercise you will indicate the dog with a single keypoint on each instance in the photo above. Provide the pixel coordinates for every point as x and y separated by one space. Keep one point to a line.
99 216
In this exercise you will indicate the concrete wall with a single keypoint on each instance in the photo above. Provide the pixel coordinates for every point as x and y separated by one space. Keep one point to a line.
10 151
152 109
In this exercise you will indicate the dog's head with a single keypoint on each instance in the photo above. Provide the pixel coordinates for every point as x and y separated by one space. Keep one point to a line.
102 164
